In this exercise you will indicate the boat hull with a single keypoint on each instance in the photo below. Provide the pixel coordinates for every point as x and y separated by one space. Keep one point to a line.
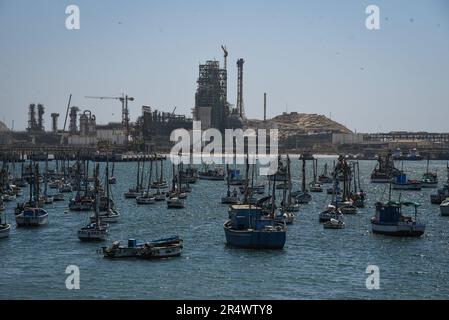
4 230
407 186
444 210
255 239
92 235
398 230
23 221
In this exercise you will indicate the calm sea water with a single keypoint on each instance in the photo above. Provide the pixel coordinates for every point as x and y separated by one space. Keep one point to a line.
314 264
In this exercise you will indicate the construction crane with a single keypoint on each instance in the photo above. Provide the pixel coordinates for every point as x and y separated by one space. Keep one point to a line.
225 52
125 113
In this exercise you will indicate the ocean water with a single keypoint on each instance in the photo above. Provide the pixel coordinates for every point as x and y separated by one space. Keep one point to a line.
314 264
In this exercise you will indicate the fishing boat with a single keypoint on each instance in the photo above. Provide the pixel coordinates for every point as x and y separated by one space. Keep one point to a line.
331 212
289 204
5 228
109 214
8 197
94 231
230 198
32 217
402 183
235 178
216 174
286 217
429 179
315 185
335 223
175 203
302 196
58 197
157 249
147 197
136 191
442 193
159 196
111 178
65 188
413 155
324 176
248 227
384 170
389 220
444 207
348 207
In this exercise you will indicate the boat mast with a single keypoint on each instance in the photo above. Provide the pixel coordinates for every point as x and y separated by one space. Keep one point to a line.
138 173
151 175
142 173
303 174
289 181
37 183
46 176
107 184
246 179
273 197
355 176
97 200
31 182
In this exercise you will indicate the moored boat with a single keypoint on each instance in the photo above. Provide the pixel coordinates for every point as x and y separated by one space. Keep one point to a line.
444 207
32 217
250 228
389 220
157 249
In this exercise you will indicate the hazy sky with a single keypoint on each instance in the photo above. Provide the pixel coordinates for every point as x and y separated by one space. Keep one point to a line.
309 56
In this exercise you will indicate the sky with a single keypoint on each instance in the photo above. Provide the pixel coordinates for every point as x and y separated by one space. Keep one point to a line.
308 56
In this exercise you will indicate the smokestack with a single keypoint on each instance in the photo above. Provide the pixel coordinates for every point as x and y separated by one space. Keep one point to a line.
40 117
240 107
265 106
54 122
32 117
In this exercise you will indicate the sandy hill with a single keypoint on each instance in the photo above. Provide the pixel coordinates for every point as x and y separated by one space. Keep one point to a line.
301 123
308 122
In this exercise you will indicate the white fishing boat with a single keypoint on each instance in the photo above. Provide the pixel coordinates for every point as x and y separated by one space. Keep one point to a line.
95 231
334 224
84 204
175 203
444 207
32 217
5 228
8 197
110 216
348 208
331 212
146 198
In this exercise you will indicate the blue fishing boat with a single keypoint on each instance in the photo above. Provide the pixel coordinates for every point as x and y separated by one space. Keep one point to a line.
389 220
402 183
248 227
